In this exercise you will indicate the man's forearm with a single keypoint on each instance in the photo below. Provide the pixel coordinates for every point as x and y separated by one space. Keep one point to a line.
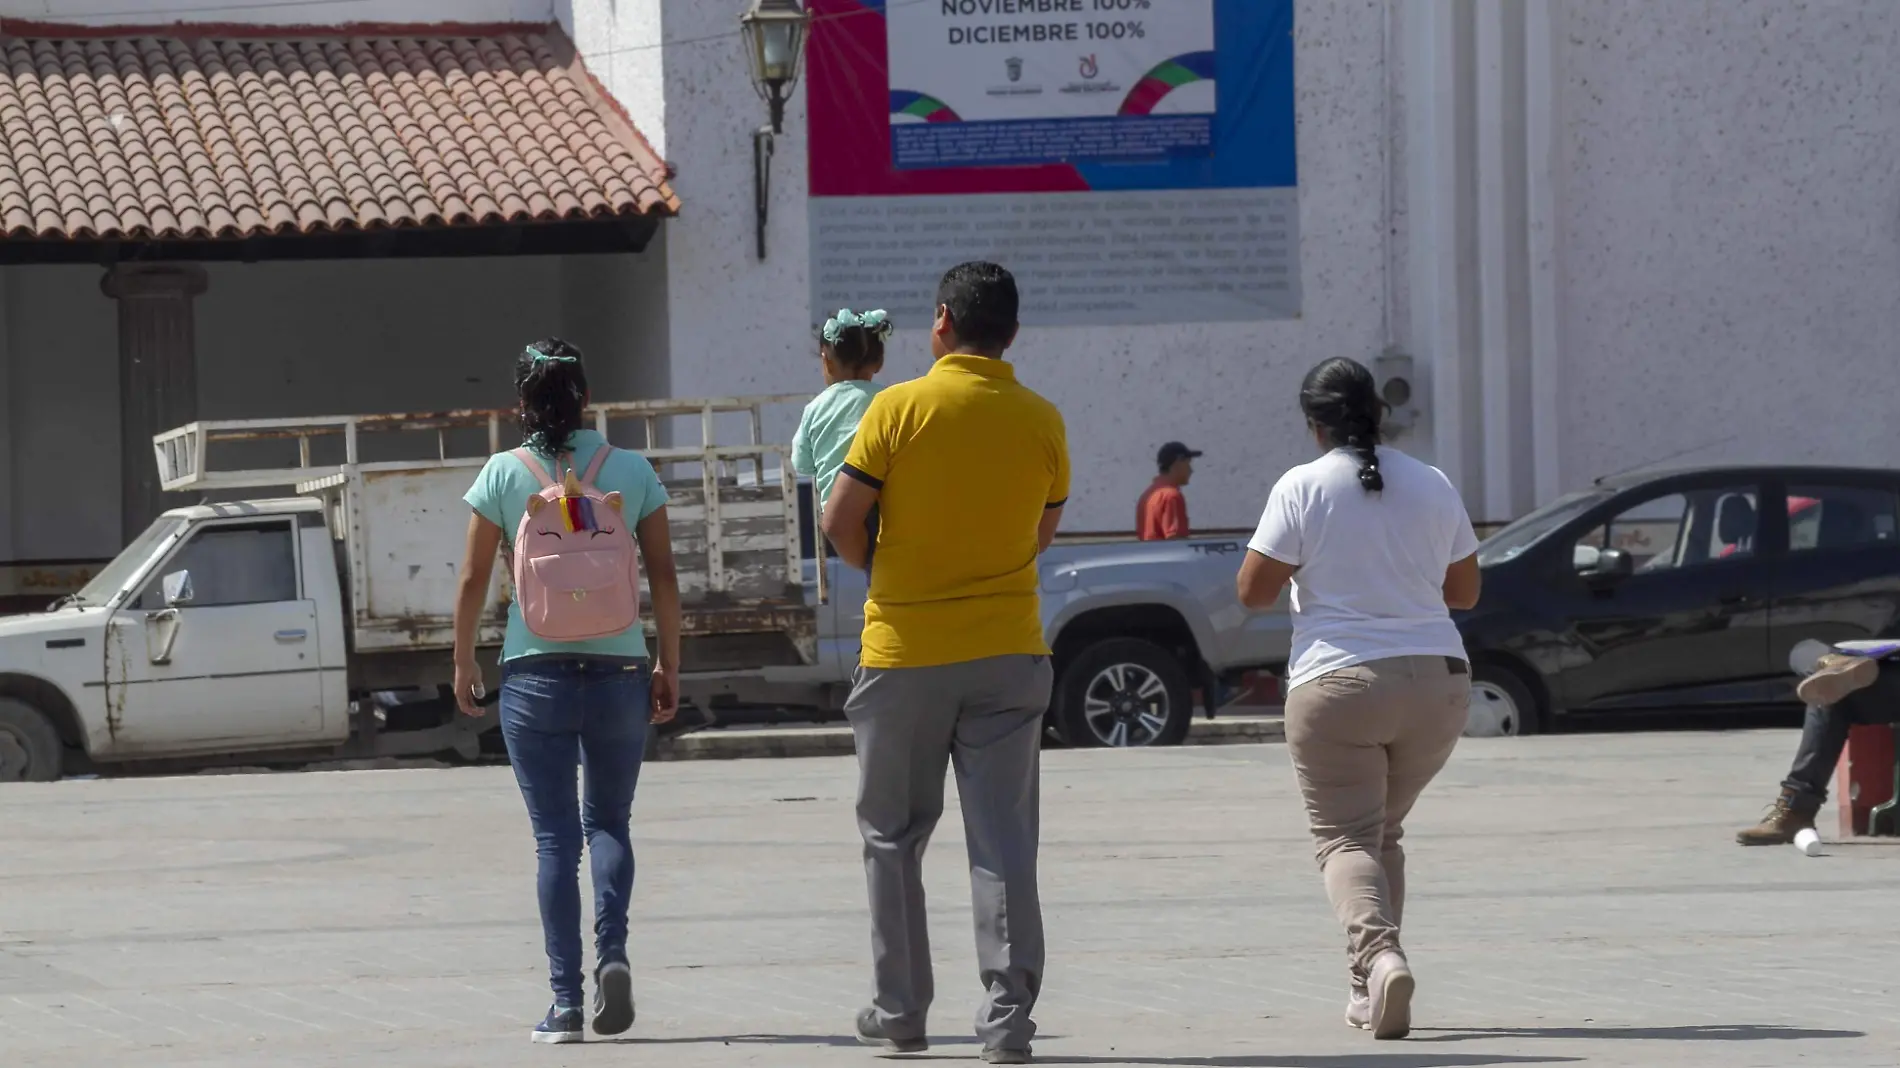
853 544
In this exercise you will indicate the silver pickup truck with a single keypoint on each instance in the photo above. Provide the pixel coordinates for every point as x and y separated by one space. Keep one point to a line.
1139 629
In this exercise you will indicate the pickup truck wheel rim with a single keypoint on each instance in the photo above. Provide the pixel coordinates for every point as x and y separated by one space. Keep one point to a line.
13 756
1126 705
1510 721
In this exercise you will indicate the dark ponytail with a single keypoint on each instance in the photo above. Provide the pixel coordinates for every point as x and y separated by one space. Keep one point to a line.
857 349
1341 400
552 386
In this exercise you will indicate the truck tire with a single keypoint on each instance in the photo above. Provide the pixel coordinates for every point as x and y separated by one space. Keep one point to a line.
29 745
1123 693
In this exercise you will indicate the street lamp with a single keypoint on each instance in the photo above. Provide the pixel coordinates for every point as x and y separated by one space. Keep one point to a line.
775 49
774 32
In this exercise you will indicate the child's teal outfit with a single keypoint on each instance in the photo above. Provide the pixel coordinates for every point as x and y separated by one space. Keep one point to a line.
825 433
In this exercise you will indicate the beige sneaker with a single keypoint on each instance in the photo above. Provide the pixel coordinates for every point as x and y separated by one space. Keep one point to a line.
1359 1009
1836 676
1389 996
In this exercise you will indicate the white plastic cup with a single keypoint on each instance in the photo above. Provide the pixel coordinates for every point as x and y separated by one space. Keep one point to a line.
1808 841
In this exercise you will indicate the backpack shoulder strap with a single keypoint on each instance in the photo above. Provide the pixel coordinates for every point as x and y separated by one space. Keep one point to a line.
593 466
533 464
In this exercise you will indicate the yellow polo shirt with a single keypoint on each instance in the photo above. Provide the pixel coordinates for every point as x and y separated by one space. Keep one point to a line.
966 460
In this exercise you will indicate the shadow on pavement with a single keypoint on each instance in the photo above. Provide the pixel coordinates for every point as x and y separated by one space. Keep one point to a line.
1700 1033
838 1041
1394 1059
1334 1061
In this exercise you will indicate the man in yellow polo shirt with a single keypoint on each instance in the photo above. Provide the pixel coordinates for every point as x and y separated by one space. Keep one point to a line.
969 471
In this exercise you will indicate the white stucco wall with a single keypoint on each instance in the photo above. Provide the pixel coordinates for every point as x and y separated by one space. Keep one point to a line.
301 338
739 325
620 41
1733 259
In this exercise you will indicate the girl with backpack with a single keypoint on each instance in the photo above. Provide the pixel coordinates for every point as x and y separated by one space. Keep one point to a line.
579 684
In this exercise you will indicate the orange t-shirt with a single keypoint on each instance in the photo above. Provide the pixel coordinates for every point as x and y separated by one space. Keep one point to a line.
1161 513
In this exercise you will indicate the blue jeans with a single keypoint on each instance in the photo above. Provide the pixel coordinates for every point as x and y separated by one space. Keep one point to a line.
557 713
1824 734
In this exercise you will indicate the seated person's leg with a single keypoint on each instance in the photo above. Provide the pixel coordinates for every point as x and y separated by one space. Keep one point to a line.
1823 737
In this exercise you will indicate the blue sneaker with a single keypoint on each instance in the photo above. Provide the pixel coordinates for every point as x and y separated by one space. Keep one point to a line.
562 1025
613 998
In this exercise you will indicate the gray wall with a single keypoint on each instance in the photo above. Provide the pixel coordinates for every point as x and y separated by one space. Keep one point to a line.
298 339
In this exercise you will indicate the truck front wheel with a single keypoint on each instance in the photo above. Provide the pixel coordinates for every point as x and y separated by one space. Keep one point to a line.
1123 693
29 745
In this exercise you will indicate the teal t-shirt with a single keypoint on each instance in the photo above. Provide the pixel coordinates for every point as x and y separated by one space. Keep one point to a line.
825 433
500 495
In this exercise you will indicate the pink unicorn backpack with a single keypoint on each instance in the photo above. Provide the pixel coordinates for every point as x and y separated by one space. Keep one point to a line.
577 575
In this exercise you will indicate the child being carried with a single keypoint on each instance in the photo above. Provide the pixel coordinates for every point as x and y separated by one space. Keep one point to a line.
851 347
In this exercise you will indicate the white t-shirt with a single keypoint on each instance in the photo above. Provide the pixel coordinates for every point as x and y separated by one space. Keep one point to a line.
1371 576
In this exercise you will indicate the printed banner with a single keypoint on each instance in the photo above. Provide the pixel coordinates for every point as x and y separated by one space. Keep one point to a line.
1131 161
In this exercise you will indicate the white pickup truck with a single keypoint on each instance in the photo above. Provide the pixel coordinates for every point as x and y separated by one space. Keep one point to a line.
319 625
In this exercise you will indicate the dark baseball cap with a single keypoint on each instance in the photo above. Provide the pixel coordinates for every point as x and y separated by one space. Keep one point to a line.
1173 451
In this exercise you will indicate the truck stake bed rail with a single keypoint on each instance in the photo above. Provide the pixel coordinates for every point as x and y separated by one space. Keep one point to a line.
735 519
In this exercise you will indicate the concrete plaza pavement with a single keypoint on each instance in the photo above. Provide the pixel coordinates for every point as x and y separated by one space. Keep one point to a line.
1576 900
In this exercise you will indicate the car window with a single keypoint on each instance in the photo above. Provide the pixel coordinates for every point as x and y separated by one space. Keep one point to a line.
243 563
1841 517
1511 540
1678 530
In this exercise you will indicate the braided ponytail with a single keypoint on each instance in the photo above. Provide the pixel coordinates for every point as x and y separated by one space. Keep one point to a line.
1341 400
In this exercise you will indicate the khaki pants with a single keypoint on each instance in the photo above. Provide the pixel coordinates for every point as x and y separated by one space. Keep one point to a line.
1365 742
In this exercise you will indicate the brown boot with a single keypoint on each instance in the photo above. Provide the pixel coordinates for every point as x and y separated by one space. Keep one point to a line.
1788 816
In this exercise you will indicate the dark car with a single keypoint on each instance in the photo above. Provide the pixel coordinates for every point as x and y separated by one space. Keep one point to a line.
1681 590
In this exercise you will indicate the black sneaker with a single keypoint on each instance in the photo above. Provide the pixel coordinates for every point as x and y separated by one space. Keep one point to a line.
562 1025
871 1033
613 998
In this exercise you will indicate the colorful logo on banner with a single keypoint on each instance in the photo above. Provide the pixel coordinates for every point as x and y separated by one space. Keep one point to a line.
1155 85
935 118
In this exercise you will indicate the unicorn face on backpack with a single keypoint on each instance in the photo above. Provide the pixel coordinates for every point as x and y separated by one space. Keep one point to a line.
574 517
577 574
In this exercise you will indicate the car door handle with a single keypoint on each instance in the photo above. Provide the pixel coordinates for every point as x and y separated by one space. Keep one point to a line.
1737 600
291 635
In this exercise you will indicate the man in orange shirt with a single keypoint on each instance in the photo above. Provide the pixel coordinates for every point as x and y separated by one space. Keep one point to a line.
1161 514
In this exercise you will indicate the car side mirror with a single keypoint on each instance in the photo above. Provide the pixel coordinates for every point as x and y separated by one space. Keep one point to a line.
1610 565
177 588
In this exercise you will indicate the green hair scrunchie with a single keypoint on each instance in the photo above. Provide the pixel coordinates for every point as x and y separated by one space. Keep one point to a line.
877 322
542 357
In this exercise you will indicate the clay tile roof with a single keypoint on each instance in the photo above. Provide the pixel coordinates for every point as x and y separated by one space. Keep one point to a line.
145 136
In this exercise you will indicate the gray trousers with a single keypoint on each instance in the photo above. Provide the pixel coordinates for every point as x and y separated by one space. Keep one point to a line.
985 717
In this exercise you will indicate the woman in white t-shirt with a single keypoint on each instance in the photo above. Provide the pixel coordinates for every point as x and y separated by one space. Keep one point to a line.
1379 549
